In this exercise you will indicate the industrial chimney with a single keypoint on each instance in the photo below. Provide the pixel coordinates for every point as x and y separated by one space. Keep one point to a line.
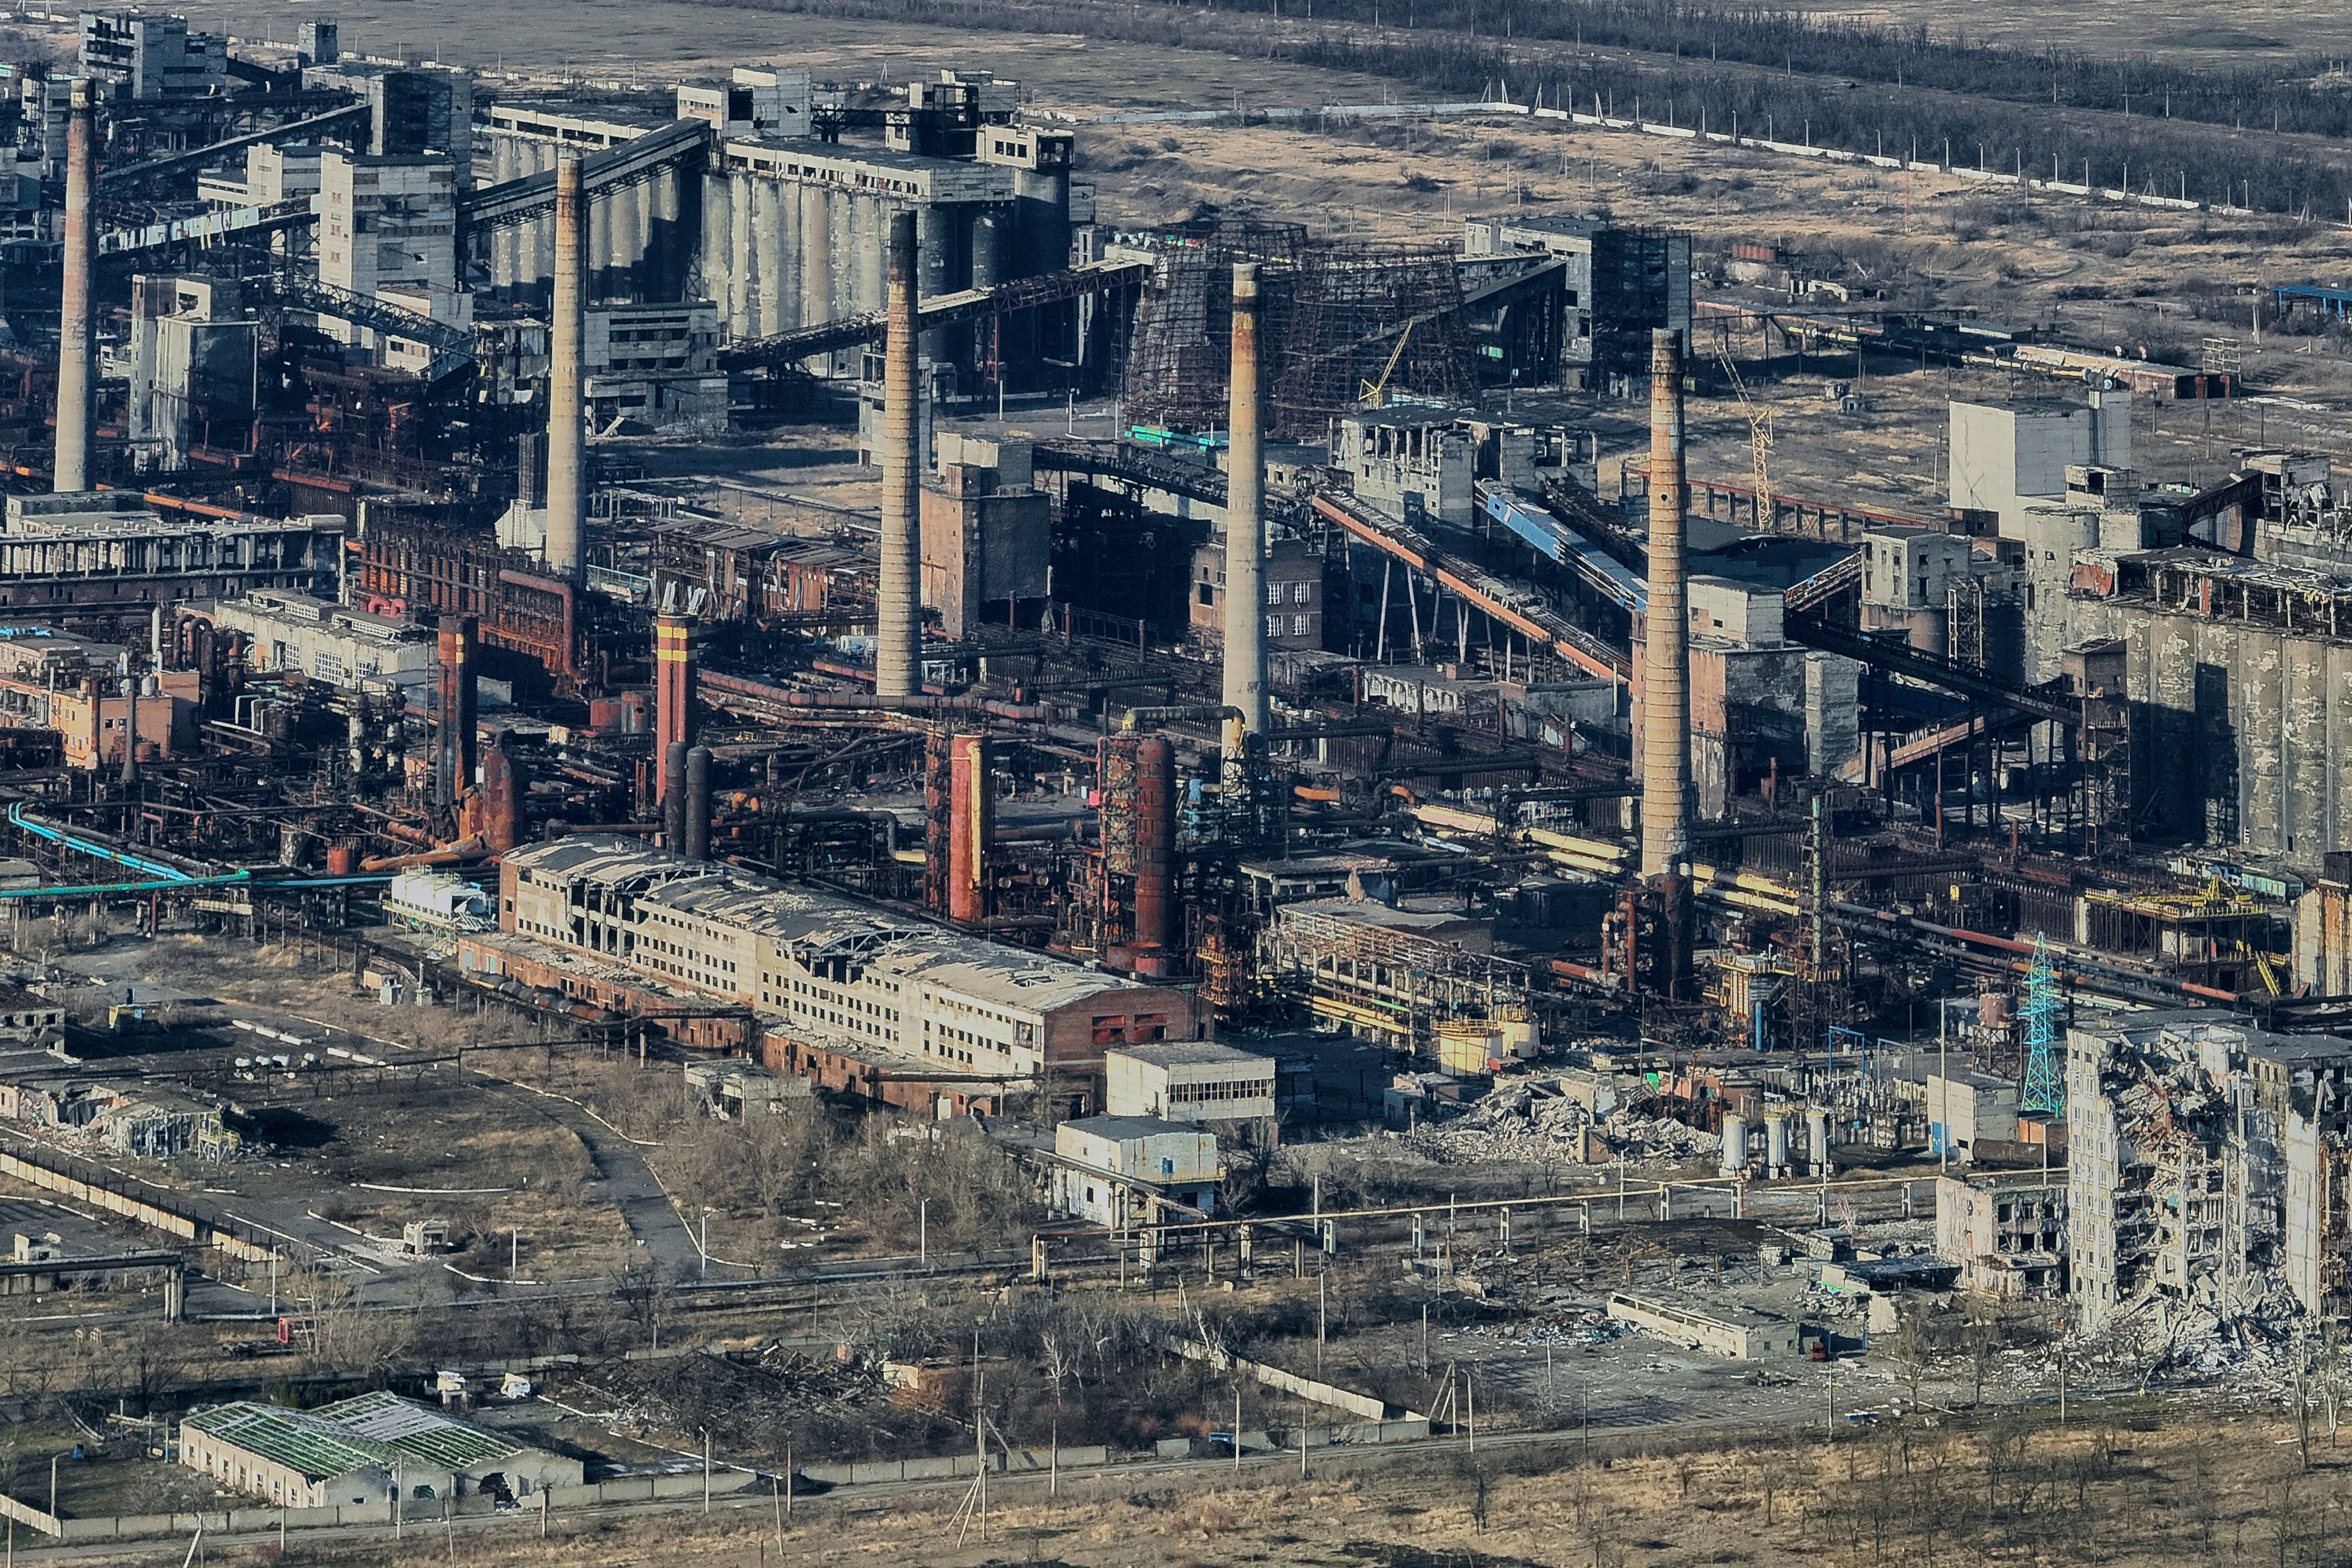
76 375
972 818
1666 639
673 796
1245 525
899 617
1155 854
453 759
567 445
673 688
696 809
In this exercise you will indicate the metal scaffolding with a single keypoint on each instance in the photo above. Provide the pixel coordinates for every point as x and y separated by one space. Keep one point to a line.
1382 320
1182 343
1394 985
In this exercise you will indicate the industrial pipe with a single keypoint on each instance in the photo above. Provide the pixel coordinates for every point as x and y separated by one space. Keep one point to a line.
783 696
567 440
697 836
971 808
470 847
898 609
1245 628
1137 717
454 761
76 379
673 682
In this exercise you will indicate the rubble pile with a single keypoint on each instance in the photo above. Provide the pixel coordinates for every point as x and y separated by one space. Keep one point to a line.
1522 1120
762 1396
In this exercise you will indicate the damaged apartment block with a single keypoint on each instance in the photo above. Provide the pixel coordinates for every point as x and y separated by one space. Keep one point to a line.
2207 1162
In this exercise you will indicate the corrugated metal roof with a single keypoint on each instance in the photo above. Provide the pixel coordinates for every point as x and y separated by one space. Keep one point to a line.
335 1439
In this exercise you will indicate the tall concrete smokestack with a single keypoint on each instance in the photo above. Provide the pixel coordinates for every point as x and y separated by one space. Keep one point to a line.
76 343
567 445
1665 642
1244 525
899 617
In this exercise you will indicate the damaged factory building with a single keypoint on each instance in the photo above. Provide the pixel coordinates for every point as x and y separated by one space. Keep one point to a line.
2207 1168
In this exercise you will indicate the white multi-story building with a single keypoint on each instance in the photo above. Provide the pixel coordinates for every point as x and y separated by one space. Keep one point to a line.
388 230
1195 1081
833 977
2206 1161
296 633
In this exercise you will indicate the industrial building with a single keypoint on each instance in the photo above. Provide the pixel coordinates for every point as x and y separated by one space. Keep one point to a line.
368 1449
2007 1231
1617 285
394 580
1231 1091
824 978
1121 1171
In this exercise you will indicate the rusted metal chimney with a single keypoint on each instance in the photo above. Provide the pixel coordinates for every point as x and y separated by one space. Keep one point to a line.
1665 638
1244 632
898 610
1155 855
453 759
672 795
77 376
972 818
567 327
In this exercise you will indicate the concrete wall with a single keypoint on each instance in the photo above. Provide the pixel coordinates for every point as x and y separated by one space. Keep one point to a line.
2051 535
2241 729
2006 453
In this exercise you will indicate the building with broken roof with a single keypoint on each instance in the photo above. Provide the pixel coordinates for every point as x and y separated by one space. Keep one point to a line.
1217 1086
2205 1157
852 996
2005 1229
360 1450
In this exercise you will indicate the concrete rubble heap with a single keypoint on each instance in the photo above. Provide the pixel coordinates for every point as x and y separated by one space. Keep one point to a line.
1519 1121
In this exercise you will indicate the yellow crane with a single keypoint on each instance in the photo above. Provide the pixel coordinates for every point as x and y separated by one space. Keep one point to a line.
1375 393
1760 434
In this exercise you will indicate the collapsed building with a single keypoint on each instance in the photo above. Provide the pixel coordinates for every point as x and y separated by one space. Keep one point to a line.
2206 1162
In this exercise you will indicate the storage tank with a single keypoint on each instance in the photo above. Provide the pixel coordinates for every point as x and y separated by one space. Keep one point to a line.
1776 1141
1521 1036
1467 1047
1734 1145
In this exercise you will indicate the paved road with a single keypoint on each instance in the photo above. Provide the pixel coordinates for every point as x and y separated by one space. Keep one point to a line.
624 1180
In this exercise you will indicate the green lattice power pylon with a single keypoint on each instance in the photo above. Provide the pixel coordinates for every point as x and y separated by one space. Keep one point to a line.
2045 1083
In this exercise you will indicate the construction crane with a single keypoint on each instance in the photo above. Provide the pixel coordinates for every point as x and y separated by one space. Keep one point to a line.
1759 433
1375 395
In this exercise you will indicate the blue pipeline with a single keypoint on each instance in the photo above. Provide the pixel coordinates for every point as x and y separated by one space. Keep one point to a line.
226 879
167 875
100 889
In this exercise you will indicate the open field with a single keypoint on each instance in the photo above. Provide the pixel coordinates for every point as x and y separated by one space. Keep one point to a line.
2133 1485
